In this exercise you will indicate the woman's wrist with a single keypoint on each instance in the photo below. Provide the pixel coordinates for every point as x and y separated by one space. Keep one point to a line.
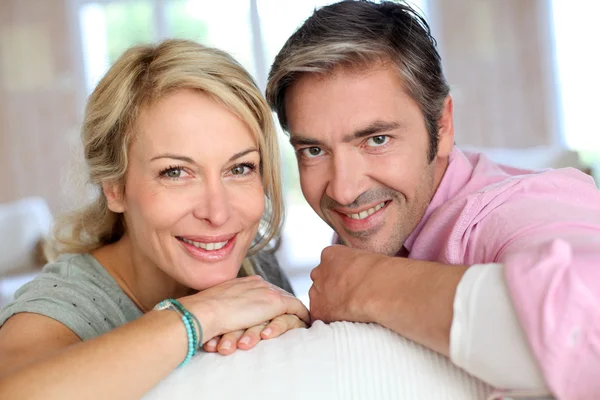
192 326
172 332
205 316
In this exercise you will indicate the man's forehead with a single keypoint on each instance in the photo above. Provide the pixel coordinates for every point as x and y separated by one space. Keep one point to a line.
361 71
340 89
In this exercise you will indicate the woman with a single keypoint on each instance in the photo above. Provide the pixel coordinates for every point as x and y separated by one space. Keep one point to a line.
183 150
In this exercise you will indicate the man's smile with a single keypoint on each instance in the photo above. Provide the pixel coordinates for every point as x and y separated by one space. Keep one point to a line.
362 219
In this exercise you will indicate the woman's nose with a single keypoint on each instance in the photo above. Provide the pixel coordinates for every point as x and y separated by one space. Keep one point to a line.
213 203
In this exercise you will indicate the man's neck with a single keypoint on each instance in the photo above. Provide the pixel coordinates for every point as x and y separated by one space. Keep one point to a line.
441 165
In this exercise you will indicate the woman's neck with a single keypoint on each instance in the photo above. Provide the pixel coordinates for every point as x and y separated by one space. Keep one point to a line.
141 280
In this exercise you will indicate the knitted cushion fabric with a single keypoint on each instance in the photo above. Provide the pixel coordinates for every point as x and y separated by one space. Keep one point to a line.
342 360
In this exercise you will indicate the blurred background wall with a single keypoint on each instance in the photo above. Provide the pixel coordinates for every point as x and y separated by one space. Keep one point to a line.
40 97
498 58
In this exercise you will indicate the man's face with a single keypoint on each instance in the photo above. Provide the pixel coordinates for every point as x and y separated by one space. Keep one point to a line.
362 146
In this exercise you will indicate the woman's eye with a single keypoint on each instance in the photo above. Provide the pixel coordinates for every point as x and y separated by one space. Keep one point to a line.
238 170
243 169
173 173
377 141
312 152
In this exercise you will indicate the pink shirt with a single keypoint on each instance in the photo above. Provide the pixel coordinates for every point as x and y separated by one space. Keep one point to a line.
544 227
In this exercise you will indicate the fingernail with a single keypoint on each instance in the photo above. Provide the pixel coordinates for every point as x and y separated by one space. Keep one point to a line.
267 331
245 340
212 343
226 345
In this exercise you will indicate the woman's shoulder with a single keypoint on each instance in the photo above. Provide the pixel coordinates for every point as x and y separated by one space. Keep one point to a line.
75 268
78 292
65 264
78 272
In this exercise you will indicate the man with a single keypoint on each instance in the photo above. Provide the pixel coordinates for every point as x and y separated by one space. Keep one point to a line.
495 267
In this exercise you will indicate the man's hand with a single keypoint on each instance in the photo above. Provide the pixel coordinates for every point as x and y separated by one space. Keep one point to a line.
343 283
411 297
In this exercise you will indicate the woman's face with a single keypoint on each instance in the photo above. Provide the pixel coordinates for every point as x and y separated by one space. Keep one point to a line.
193 196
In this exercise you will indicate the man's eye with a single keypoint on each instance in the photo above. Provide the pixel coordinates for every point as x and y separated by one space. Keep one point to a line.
377 141
312 152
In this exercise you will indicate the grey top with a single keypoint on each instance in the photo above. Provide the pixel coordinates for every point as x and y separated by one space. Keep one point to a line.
79 293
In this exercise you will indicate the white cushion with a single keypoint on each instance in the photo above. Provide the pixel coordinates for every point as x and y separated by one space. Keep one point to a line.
342 360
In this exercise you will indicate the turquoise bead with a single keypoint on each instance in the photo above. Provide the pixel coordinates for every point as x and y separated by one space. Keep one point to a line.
190 322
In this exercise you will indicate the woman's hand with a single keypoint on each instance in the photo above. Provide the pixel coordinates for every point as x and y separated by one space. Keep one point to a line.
245 339
245 305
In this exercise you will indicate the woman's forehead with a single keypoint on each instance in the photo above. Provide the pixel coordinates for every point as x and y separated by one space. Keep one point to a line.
191 120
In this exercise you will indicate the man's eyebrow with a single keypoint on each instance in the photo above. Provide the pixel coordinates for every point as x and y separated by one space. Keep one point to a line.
375 127
189 160
299 140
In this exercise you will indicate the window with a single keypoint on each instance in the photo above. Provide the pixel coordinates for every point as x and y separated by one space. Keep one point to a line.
108 27
577 62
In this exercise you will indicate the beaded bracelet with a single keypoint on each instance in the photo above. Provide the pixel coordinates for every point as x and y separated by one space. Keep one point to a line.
194 333
189 315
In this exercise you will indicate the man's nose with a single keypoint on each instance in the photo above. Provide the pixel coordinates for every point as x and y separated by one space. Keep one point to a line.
348 178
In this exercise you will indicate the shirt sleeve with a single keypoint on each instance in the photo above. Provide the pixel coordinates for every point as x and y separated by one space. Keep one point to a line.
486 339
547 236
555 289
83 309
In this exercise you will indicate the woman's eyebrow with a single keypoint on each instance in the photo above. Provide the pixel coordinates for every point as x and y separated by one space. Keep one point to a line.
174 157
243 153
191 161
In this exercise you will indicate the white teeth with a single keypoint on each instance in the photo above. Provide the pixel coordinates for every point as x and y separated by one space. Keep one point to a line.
206 246
366 213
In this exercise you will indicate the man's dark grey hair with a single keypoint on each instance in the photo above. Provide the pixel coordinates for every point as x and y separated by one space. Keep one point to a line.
357 34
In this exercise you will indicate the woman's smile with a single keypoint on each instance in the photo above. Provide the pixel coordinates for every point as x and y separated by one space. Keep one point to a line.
208 249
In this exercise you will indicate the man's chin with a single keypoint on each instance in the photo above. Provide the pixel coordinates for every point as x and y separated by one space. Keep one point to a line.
371 244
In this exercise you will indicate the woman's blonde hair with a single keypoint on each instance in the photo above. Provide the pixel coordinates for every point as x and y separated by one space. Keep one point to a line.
140 76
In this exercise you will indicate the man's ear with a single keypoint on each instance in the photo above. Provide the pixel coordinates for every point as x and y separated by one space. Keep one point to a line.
446 129
114 196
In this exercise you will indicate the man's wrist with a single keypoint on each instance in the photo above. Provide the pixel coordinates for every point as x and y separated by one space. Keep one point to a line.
415 299
384 297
